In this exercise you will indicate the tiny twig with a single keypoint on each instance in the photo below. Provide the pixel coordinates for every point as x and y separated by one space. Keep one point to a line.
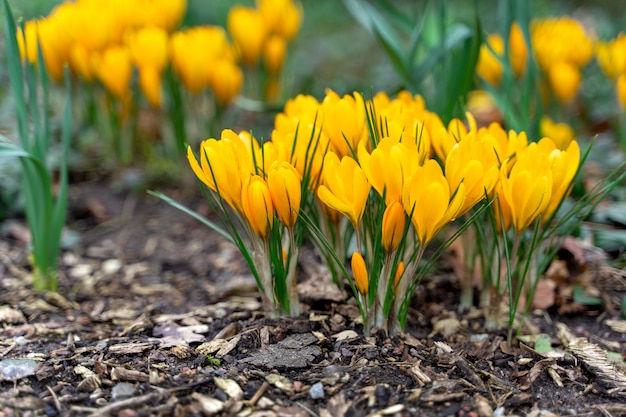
57 404
257 395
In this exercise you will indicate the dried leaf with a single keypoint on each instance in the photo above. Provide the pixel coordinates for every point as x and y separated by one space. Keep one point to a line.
346 336
595 359
210 406
281 382
174 335
230 387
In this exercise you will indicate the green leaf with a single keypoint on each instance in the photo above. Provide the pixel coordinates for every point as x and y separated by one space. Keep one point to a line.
580 296
193 214
455 36
374 22
543 344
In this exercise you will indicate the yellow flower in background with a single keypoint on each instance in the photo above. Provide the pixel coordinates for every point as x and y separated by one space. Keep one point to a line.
195 50
285 188
149 48
612 56
226 80
394 221
49 32
359 271
564 80
248 29
283 17
429 202
274 53
563 166
518 51
27 41
164 14
257 205
528 187
225 164
345 121
561 133
489 66
115 71
560 39
345 187
562 48
150 84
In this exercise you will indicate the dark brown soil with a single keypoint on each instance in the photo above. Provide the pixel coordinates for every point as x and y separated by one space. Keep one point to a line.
157 316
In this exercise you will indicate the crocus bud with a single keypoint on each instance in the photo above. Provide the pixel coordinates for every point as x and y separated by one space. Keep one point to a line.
359 271
393 226
257 205
564 81
284 186
397 277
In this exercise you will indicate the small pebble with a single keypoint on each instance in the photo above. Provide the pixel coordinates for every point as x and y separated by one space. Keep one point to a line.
316 392
123 390
347 353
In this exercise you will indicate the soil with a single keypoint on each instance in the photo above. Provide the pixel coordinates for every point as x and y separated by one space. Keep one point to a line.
156 315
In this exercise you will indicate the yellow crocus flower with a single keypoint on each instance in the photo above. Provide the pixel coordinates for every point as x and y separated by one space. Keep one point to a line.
226 81
561 133
195 50
257 205
359 271
345 187
467 164
283 17
430 203
285 190
274 53
388 166
564 80
489 67
345 121
115 71
563 166
165 14
225 164
528 186
248 29
393 226
518 51
149 48
397 277
502 210
612 56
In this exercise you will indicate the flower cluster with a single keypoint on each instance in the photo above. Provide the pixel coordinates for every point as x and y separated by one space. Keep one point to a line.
382 178
262 33
560 46
103 40
612 59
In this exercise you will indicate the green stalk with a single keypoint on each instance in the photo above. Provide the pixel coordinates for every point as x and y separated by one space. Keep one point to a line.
45 215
